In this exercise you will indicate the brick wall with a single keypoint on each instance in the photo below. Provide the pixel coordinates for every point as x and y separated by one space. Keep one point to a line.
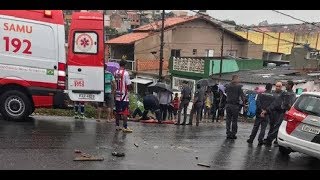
145 65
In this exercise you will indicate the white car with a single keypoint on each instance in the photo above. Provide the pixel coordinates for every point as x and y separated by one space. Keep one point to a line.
300 130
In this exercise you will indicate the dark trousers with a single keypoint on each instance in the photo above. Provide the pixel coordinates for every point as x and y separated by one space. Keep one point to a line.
79 105
163 111
214 110
183 105
144 114
197 109
232 119
272 122
260 121
278 116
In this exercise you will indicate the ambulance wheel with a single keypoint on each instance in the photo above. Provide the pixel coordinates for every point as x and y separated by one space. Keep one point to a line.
15 105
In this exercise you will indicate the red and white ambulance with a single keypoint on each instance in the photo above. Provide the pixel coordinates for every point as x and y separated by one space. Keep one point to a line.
33 61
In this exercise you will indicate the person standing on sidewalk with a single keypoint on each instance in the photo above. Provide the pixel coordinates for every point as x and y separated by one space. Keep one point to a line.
282 104
109 91
123 85
185 99
197 105
234 93
164 100
263 101
79 105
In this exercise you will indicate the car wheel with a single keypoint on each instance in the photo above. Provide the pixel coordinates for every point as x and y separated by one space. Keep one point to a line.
284 151
15 105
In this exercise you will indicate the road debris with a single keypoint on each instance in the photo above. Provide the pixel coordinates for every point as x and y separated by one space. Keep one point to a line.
155 147
118 154
197 157
204 165
86 155
91 158
136 144
77 151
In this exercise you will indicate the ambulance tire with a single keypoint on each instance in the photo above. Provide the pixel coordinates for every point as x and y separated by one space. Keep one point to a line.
15 105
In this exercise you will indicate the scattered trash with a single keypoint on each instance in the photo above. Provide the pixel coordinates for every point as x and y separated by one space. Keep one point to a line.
157 153
204 165
155 147
77 151
270 150
197 157
98 120
144 142
136 144
86 155
118 154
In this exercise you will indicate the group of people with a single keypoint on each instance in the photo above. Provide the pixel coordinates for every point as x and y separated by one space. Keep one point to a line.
270 105
270 108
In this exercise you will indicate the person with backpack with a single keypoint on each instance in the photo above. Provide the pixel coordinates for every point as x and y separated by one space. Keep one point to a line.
185 100
123 84
263 101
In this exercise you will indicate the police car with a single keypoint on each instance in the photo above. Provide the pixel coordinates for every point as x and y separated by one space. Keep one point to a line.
300 130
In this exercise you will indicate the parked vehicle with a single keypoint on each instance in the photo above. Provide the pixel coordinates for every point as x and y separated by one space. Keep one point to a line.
300 130
33 61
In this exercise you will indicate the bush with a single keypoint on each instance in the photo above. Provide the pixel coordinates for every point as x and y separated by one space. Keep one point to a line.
133 102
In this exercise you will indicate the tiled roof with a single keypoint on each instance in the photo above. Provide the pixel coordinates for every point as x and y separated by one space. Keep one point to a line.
143 31
128 38
169 22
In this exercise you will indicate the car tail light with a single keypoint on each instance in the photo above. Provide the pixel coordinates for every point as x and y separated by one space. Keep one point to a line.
61 76
293 118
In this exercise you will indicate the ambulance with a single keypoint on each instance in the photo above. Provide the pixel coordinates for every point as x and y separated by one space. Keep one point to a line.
34 68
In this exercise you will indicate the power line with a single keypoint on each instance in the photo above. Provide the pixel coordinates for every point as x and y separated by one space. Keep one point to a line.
312 23
249 29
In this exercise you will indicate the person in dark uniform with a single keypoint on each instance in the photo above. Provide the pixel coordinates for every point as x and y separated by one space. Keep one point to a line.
150 103
273 116
185 99
282 104
234 93
197 105
263 101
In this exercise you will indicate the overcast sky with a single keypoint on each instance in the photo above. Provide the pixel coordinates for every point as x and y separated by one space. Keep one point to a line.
249 17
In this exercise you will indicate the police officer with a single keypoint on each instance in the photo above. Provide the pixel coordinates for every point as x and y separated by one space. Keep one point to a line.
185 99
197 105
273 116
234 93
281 104
263 101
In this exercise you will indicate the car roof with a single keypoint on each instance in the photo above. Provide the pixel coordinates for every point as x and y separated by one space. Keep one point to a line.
311 93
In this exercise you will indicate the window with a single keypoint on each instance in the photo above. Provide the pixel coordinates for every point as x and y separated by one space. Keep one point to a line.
194 51
85 42
209 52
175 52
231 53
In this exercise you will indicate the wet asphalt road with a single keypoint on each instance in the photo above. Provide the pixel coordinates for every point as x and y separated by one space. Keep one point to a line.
46 143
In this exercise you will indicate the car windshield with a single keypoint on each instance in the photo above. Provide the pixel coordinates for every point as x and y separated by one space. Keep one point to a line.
308 104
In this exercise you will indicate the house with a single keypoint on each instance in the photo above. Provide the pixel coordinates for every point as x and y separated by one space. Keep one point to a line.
305 58
191 36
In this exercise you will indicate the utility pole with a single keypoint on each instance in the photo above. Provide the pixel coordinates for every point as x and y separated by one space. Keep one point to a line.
161 47
222 43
